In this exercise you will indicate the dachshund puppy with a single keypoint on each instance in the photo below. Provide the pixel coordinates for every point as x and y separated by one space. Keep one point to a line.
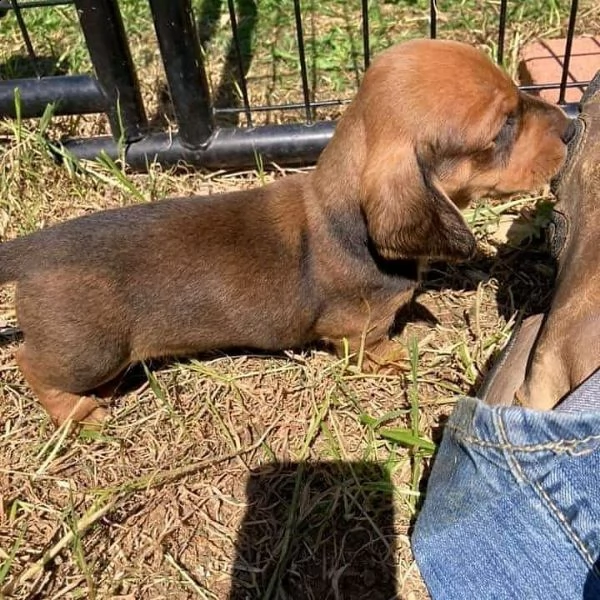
328 256
550 355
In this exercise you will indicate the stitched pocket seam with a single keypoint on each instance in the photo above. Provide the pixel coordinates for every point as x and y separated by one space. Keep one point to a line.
555 511
571 447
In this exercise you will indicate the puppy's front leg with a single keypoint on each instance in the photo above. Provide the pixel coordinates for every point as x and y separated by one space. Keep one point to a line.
381 356
369 343
386 357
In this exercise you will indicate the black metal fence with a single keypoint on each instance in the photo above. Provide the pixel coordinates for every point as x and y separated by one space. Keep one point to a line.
198 140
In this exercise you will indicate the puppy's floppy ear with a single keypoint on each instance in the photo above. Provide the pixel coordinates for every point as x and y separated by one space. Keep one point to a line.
408 215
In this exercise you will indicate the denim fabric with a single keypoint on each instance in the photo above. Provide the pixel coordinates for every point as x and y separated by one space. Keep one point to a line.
512 509
585 397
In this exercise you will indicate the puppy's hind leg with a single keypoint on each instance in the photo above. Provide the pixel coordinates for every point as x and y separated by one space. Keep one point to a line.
59 404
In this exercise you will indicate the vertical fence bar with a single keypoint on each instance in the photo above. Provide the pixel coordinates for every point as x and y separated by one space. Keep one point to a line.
238 49
568 50
365 32
302 56
188 83
502 31
432 19
107 44
23 28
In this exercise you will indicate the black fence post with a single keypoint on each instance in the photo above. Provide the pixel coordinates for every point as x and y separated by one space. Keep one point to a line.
502 31
70 95
568 48
188 83
302 57
107 44
364 5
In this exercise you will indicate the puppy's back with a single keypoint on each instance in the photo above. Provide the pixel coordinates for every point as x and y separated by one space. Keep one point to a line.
126 238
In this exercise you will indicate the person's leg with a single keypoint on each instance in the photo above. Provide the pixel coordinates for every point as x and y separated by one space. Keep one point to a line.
512 507
585 398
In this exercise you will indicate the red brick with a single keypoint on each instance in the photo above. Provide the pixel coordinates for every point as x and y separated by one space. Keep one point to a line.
542 62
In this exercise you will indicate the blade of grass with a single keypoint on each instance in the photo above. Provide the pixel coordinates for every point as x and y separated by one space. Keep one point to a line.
406 437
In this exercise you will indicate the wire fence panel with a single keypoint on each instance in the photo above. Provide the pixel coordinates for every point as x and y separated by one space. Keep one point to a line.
282 84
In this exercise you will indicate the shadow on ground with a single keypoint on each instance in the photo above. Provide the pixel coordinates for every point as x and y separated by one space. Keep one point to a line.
319 530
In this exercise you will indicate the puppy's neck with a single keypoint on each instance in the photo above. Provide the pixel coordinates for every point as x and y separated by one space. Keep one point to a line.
339 168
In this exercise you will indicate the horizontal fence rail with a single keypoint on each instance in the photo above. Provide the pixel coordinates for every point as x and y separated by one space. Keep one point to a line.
198 139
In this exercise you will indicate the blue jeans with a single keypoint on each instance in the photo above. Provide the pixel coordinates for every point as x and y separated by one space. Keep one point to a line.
512 509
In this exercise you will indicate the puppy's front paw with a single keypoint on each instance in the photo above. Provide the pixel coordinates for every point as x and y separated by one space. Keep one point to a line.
390 358
485 250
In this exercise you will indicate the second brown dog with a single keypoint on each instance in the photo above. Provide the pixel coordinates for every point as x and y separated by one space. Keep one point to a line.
325 256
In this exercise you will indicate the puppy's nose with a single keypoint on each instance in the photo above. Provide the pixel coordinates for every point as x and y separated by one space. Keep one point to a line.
569 132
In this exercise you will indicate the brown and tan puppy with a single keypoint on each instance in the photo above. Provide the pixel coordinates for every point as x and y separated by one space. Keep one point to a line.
325 256
552 354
